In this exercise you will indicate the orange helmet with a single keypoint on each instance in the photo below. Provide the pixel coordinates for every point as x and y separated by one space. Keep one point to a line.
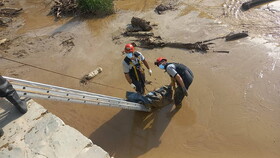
159 60
129 48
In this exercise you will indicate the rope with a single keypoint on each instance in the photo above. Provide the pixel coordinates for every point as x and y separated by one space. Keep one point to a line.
61 73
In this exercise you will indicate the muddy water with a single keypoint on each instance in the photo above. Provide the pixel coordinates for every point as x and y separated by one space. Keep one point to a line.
233 105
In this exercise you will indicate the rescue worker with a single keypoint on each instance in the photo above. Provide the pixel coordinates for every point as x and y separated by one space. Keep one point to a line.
180 74
133 68
1 132
7 90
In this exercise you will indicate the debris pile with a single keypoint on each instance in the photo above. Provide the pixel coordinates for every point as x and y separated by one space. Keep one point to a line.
62 7
7 13
141 30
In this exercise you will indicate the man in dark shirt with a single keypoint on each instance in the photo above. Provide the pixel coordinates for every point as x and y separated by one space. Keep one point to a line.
1 132
7 91
180 74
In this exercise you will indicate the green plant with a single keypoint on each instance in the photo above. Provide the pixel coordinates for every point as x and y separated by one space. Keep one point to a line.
94 6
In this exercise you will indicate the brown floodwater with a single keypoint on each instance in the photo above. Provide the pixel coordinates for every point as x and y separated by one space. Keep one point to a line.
233 107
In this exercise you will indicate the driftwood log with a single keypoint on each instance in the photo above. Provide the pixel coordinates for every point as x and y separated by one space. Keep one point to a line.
157 42
236 36
138 34
220 51
250 4
198 46
10 11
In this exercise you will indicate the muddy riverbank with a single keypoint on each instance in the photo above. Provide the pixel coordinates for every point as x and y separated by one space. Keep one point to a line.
233 105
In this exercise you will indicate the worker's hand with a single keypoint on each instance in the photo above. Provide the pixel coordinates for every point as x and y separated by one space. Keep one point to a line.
150 72
132 85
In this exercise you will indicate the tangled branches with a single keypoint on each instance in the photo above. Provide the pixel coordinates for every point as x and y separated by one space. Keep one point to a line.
63 7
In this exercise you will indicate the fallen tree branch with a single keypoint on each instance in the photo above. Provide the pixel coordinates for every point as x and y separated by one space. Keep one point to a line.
63 7
138 34
221 51
157 42
10 11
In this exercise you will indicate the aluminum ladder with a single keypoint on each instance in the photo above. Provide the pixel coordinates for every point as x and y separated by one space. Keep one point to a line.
31 89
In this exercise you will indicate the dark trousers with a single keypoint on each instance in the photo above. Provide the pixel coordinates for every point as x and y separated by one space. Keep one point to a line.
5 87
7 90
179 95
140 83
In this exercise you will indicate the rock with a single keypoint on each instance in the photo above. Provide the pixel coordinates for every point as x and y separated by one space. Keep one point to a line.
141 23
273 7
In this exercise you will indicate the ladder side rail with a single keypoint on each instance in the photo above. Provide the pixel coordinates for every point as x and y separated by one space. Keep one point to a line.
55 87
23 87
77 100
76 96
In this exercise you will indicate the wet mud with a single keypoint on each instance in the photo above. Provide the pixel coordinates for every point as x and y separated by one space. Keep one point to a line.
233 105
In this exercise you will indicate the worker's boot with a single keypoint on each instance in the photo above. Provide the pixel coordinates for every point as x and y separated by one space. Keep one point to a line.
17 102
1 132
